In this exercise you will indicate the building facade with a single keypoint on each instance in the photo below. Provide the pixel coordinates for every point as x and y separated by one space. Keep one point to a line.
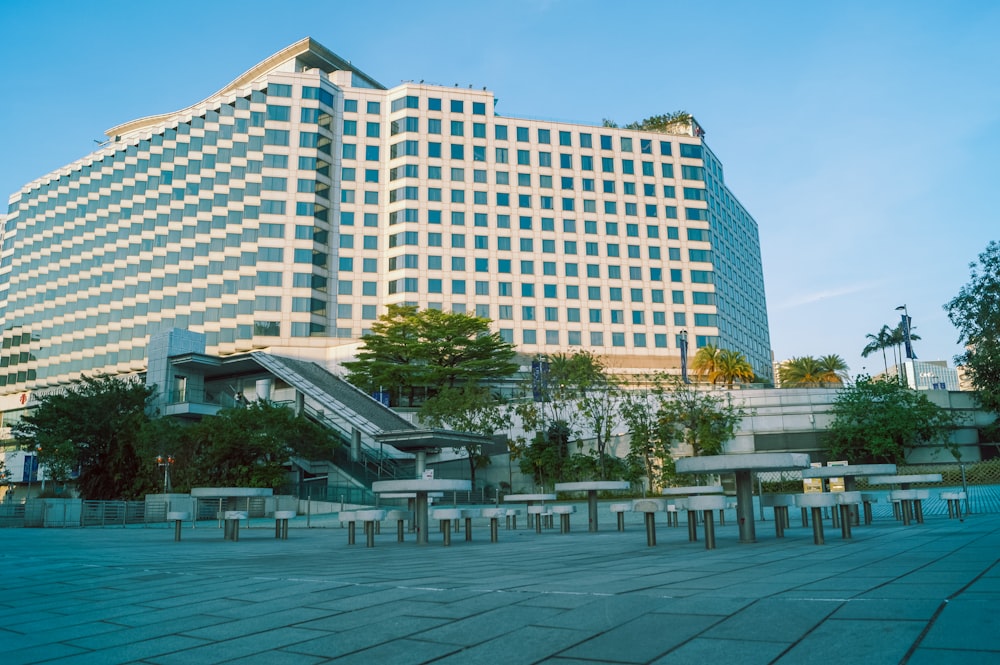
287 210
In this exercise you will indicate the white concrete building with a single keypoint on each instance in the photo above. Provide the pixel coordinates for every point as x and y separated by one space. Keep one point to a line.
288 209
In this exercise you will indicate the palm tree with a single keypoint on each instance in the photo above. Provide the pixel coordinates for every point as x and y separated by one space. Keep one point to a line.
732 366
704 362
879 341
810 372
897 338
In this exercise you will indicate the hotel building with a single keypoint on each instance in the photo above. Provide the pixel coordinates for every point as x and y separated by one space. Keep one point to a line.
287 210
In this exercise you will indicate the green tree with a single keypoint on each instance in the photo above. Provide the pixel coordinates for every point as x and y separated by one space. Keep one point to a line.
649 451
700 419
878 420
879 341
975 312
429 350
724 366
677 122
95 426
469 408
809 372
245 447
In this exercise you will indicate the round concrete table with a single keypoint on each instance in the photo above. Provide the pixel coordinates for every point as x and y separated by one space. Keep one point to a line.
849 472
743 465
592 488
529 499
421 487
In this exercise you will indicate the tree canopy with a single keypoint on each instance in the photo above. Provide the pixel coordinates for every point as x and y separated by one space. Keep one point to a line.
96 427
725 366
975 311
410 351
828 371
879 420
103 429
469 408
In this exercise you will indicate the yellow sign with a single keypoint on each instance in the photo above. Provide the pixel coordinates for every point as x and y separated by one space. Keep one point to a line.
810 485
837 484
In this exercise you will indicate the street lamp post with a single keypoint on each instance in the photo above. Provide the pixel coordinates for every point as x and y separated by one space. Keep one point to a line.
682 340
164 463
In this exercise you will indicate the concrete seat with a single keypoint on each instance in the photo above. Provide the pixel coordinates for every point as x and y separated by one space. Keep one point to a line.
867 499
177 517
672 514
708 504
780 503
445 517
467 515
494 515
954 500
619 509
539 512
281 518
816 502
348 517
400 517
911 504
370 518
511 515
847 501
649 508
563 512
231 530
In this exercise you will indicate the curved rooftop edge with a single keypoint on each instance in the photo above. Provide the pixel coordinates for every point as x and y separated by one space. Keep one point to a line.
308 50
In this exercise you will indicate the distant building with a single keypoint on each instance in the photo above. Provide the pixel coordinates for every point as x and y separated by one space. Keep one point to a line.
287 210
927 375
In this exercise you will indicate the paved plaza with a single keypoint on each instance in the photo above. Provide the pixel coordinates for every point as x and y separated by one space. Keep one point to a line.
923 594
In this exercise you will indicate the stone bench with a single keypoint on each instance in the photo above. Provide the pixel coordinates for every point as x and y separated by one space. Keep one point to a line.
780 503
563 512
511 515
445 517
494 515
910 504
707 504
177 518
954 500
619 509
400 517
348 517
467 515
649 508
370 518
816 502
231 529
541 515
281 518
867 499
847 501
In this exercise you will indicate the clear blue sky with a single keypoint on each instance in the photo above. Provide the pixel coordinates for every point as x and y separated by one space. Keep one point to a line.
862 136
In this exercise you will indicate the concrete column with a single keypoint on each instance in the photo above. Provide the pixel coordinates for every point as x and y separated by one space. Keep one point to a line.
744 507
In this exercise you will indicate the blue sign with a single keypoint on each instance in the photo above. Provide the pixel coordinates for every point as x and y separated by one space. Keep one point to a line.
381 396
30 472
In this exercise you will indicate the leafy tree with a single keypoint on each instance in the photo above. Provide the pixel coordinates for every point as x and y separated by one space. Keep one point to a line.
975 311
878 420
810 372
671 123
648 449
548 453
95 426
879 341
246 447
721 366
700 419
409 350
470 408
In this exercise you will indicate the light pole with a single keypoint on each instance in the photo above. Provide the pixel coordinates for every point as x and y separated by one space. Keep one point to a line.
906 333
164 463
682 341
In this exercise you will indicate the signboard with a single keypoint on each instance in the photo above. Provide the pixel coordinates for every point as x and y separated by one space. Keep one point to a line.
381 396
810 485
30 470
837 484
539 380
428 474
